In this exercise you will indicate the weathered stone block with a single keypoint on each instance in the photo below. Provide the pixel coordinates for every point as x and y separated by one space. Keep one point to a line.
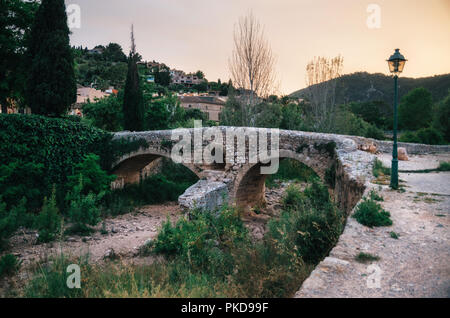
205 195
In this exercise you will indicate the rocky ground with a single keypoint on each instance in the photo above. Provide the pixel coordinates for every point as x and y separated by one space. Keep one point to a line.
417 264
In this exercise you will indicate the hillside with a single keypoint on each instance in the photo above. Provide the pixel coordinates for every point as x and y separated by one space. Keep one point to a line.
363 87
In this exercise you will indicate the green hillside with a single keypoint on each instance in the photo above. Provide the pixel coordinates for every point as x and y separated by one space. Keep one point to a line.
364 87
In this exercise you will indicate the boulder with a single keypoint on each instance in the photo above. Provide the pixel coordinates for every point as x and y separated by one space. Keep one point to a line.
205 195
402 154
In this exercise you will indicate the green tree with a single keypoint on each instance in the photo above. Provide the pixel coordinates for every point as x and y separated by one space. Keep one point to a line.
442 117
133 101
51 85
113 52
415 110
16 17
105 113
292 117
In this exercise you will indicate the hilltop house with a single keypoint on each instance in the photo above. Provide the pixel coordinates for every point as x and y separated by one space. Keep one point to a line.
188 80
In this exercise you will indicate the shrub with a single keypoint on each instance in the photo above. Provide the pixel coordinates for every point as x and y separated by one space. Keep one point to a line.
48 222
379 170
366 257
83 208
394 235
310 222
203 241
444 166
9 264
94 179
409 136
428 136
370 213
374 196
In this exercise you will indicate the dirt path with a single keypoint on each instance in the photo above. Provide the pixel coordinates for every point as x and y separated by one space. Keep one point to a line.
415 265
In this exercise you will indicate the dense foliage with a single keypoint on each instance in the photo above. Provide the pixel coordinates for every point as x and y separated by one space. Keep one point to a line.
16 18
37 152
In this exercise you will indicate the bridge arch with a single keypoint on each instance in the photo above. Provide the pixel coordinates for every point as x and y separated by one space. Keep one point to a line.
251 184
129 167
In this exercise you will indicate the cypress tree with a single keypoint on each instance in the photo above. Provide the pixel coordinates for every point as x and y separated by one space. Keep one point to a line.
51 85
133 101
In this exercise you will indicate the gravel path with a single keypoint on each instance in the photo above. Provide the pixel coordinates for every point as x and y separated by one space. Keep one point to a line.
415 265
416 162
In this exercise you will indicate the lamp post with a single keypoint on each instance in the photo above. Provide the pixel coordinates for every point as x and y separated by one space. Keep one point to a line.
396 64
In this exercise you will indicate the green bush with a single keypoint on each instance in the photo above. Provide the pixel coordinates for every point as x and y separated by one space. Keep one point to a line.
105 113
9 265
410 136
48 222
347 123
374 196
310 222
370 213
441 119
366 258
203 241
95 179
84 209
415 109
444 166
428 136
379 170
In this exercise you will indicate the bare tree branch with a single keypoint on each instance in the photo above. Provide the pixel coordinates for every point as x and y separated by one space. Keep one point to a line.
252 63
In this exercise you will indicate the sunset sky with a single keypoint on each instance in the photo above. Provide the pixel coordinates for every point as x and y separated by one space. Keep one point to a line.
198 34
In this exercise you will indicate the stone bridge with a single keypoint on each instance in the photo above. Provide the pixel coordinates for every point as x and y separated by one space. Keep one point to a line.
335 158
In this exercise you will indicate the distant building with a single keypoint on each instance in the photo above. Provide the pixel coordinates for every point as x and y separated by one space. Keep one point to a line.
210 105
85 95
180 77
97 50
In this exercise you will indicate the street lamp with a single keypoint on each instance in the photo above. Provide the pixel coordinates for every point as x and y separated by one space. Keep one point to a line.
396 64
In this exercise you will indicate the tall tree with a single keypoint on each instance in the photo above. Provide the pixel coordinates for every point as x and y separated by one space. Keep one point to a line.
133 101
251 64
416 109
16 17
321 75
51 85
